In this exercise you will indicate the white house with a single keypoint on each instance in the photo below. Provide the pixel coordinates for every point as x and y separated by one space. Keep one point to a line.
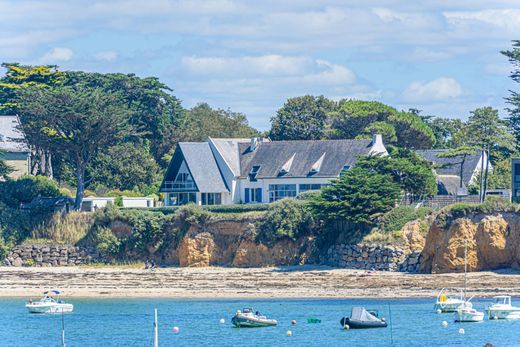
447 170
232 171
92 203
136 201
12 141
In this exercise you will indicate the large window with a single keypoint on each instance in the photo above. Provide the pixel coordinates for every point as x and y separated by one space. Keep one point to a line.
181 198
183 181
211 198
253 195
315 186
280 191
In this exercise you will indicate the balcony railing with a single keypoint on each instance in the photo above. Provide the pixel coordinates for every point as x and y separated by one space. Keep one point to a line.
171 185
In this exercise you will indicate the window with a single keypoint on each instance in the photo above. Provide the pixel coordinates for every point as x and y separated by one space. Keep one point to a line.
280 191
253 172
211 198
176 199
345 167
305 187
183 181
253 195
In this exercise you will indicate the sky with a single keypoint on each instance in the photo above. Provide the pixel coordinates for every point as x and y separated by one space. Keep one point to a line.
442 57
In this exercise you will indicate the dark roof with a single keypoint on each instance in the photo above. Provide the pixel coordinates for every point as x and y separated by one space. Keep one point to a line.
451 166
49 203
203 167
271 157
450 185
11 138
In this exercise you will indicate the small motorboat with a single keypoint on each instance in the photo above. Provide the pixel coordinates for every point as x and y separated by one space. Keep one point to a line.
363 319
247 319
466 313
446 303
49 304
502 308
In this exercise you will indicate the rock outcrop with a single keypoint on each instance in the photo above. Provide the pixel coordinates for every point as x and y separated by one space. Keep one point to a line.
231 243
493 242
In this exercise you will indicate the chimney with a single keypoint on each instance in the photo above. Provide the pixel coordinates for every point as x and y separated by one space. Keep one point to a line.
377 139
254 144
377 147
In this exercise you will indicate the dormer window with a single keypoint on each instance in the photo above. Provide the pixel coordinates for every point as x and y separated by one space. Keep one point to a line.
345 167
253 172
287 166
317 165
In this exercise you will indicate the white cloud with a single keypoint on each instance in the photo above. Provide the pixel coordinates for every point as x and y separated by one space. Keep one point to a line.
108 56
443 88
239 66
57 54
503 18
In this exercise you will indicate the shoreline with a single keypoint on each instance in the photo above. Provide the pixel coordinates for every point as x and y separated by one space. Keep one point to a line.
292 282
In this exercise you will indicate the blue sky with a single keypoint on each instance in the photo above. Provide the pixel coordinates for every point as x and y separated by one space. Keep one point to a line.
438 56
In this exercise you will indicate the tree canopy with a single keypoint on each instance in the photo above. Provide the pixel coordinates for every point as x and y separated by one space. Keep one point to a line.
5 169
358 196
302 118
514 98
202 121
358 118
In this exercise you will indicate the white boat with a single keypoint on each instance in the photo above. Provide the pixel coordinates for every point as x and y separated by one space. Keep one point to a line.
467 313
449 303
49 304
502 308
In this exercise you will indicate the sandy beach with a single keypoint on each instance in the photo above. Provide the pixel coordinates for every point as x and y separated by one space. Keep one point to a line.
216 282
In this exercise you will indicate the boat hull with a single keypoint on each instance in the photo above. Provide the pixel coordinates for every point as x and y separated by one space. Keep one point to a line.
356 324
252 322
56 308
469 317
503 314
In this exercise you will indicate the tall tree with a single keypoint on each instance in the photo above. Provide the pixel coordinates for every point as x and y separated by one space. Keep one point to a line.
486 130
302 118
358 196
203 121
16 78
514 98
445 131
153 110
76 122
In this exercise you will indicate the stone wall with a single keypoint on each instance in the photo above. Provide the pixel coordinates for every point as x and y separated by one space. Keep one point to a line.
372 257
45 255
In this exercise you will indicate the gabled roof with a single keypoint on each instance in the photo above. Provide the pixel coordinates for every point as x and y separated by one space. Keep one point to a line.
203 167
11 138
271 157
450 185
451 166
228 149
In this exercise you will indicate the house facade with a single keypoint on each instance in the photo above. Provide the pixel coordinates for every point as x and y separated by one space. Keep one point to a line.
12 142
447 170
233 171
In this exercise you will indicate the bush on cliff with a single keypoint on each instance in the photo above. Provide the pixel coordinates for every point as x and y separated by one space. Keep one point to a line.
288 218
26 188
395 219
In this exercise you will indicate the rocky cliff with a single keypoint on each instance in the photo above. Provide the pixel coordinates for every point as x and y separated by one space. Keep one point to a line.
232 243
493 242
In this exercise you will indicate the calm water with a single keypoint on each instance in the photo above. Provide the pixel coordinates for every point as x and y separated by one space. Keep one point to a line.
129 322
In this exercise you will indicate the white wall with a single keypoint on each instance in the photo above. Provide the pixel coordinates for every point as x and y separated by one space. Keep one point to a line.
137 202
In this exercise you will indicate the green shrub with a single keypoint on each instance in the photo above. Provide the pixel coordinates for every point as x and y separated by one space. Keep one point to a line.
107 244
308 195
26 188
287 218
395 219
28 263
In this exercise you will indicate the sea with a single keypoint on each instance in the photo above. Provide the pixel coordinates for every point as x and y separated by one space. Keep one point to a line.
130 322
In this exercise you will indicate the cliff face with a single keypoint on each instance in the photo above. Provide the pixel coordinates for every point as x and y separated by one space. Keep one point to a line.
493 242
231 243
